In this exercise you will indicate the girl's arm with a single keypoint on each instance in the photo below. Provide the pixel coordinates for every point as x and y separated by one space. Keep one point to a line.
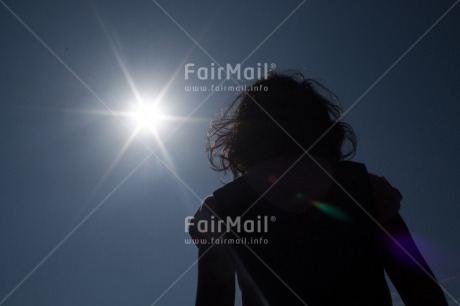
411 275
216 278
216 274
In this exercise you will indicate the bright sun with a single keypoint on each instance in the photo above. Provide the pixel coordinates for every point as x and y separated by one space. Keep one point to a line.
147 116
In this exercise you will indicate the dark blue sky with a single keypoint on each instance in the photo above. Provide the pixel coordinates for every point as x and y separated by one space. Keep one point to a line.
59 140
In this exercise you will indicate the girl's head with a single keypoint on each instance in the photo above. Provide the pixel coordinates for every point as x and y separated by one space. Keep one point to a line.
283 114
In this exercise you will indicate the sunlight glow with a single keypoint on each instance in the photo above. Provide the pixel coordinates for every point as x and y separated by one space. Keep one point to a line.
147 116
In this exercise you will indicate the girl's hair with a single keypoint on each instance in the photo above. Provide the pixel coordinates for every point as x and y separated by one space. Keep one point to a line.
272 118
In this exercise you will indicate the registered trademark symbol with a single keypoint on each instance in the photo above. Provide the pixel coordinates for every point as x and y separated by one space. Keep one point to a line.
273 218
272 67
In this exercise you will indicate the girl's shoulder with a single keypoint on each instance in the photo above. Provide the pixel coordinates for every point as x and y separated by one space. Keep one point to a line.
387 198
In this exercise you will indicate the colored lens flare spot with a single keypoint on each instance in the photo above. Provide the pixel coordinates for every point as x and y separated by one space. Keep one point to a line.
272 178
332 211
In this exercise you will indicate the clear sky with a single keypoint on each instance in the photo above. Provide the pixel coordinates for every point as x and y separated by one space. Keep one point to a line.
88 216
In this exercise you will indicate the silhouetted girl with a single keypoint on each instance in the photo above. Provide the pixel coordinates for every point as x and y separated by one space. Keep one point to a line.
299 225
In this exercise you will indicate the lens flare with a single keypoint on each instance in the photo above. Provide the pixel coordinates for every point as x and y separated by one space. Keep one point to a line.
332 211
